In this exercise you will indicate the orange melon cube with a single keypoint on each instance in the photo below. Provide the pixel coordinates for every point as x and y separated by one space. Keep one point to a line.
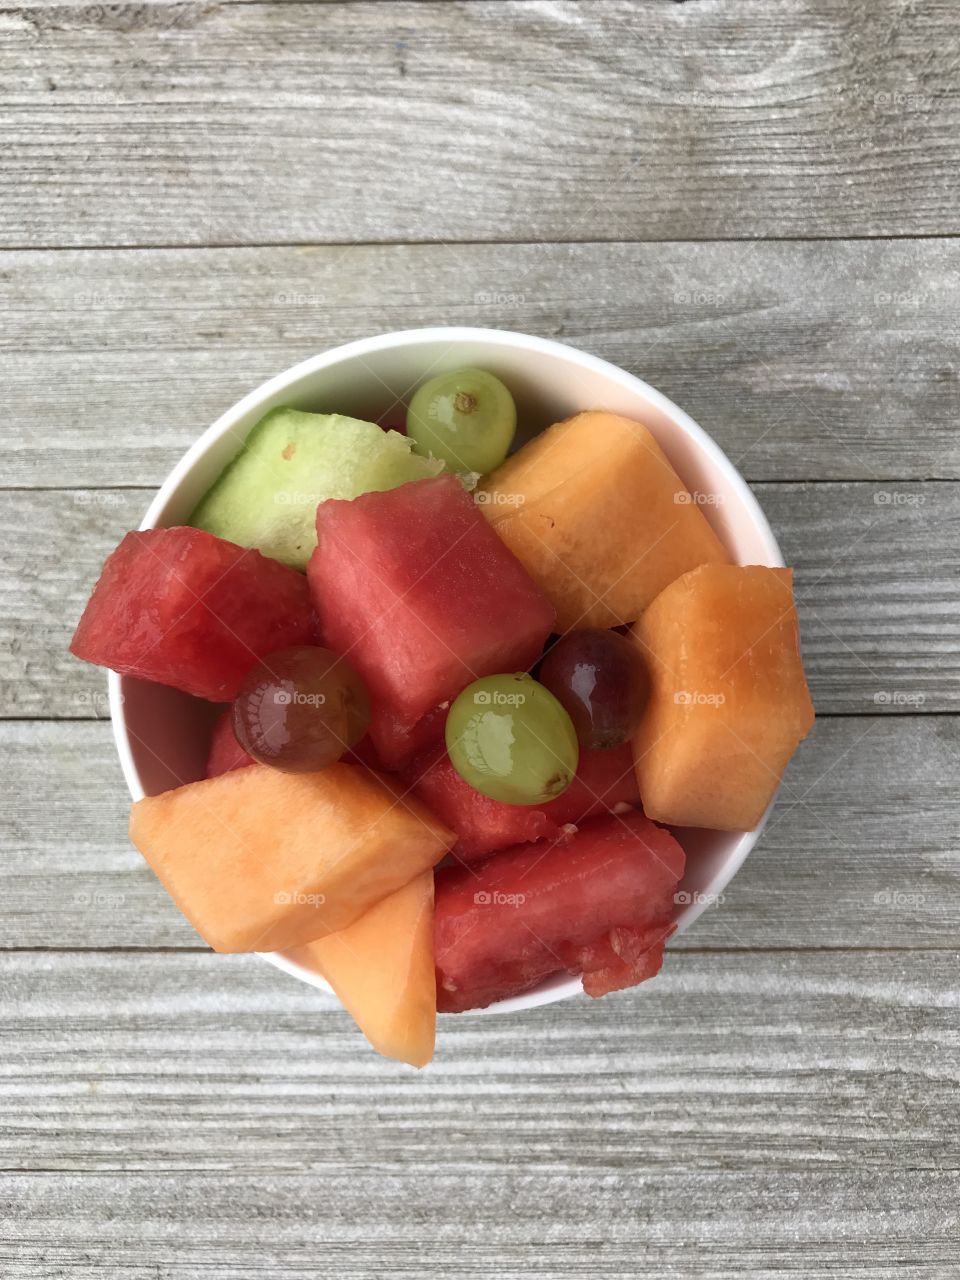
598 517
728 698
381 967
260 860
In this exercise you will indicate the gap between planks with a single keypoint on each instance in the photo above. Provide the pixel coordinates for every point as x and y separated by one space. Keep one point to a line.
180 246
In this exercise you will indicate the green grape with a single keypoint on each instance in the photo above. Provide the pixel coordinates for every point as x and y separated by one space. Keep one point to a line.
466 418
510 739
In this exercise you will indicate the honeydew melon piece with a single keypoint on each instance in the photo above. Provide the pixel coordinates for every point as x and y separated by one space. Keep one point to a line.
291 462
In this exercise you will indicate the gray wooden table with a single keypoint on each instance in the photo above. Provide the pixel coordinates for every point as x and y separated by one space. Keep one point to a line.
753 205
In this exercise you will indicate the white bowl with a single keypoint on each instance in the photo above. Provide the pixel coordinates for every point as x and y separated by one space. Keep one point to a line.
162 735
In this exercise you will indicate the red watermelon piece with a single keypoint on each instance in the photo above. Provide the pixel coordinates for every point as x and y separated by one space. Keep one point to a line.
481 824
416 590
226 752
396 739
599 903
604 780
365 754
184 608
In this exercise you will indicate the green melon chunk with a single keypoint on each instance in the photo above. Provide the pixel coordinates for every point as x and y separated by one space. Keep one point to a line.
268 496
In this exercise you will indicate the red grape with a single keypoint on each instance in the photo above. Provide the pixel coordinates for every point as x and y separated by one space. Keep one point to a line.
301 709
601 680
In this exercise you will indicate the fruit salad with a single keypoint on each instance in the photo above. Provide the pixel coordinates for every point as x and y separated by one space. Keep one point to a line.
470 700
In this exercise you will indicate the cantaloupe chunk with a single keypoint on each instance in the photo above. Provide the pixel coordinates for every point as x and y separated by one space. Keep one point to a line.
381 967
728 701
598 517
259 860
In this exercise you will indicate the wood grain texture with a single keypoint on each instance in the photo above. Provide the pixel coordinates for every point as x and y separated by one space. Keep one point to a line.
859 1225
861 850
753 1115
803 360
202 123
876 581
667 185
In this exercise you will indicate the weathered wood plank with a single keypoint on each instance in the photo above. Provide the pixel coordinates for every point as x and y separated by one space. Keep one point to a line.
150 1027
764 1109
804 360
760 1115
222 123
861 851
516 1223
52 546
877 567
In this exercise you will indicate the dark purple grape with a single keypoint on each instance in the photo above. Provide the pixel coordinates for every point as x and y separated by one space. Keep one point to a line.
301 709
601 680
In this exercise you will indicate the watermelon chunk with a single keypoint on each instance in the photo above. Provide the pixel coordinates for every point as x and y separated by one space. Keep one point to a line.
364 754
184 608
226 752
414 587
599 904
603 780
481 824
396 738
